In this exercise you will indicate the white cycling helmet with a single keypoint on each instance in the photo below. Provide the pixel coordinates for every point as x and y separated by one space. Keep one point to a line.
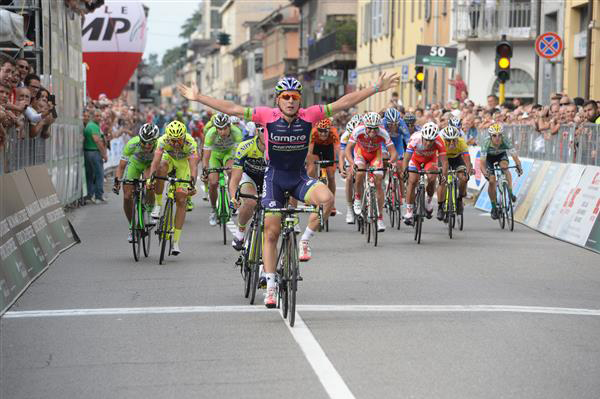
429 131
234 120
450 133
356 118
351 125
221 120
372 120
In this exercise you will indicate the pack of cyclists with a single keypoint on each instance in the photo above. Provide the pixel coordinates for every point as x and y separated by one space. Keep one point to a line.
274 156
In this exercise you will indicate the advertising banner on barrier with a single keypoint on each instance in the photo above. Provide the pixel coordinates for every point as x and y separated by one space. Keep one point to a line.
543 194
559 208
528 189
60 228
593 241
483 202
477 181
582 208
13 217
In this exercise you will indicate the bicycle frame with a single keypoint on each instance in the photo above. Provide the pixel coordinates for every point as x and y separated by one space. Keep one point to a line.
223 201
370 211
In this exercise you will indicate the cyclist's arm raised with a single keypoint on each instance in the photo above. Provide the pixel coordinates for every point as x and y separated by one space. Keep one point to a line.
227 107
351 99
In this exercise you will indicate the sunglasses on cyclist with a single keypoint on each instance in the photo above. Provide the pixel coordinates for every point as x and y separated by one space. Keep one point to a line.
287 96
495 135
176 141
372 128
323 130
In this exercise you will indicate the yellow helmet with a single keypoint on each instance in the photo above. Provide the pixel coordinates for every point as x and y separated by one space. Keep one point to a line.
175 130
496 128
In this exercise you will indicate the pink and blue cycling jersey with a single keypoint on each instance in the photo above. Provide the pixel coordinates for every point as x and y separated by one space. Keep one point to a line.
287 143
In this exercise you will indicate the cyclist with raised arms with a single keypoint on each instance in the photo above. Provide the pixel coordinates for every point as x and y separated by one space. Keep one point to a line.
495 149
424 148
324 146
457 153
220 144
365 144
248 174
136 159
287 138
176 150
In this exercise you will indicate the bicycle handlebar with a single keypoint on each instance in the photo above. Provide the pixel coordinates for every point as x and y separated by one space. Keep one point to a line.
249 196
129 181
216 170
326 163
304 209
173 179
370 169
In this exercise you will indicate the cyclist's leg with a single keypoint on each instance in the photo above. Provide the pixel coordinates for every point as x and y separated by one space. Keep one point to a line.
504 166
491 180
164 168
359 177
441 190
149 193
431 166
329 155
182 171
228 162
413 179
273 198
314 193
215 161
132 171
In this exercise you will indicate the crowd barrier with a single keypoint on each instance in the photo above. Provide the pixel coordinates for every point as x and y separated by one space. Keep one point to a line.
115 150
561 200
572 144
34 230
62 153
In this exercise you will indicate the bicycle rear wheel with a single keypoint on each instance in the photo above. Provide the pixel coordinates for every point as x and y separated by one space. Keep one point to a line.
135 229
509 208
292 277
398 201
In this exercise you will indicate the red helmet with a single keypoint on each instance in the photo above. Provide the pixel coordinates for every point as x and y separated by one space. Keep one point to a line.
324 124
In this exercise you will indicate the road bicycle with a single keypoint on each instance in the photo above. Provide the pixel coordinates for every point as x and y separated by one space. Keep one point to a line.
420 211
370 211
250 258
223 201
140 230
322 173
393 197
166 223
288 265
505 203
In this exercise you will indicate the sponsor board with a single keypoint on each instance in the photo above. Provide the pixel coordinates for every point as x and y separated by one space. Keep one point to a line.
544 193
483 202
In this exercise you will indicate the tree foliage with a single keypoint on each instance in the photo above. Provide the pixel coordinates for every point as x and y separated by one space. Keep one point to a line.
190 24
173 54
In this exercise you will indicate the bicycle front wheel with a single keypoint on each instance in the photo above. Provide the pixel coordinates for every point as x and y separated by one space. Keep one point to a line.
509 208
501 208
135 229
166 224
293 265
374 216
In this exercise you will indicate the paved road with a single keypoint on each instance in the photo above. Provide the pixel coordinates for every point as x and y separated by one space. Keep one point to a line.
487 314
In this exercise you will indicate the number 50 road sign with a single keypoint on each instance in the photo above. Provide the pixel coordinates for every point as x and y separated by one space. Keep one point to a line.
436 56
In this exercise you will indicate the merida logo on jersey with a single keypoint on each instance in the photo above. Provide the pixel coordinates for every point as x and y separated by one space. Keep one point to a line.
289 139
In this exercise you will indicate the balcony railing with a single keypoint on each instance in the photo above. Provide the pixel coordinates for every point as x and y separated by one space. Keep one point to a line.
485 22
328 45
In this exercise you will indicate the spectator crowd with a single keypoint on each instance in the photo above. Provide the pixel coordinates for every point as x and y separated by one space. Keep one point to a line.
25 104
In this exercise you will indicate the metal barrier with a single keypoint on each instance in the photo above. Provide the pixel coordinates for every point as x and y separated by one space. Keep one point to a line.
571 144
62 153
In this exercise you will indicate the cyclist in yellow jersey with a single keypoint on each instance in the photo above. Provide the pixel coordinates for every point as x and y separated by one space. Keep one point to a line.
248 175
457 152
176 150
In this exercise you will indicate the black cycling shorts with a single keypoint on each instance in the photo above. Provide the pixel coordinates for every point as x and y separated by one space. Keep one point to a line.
490 160
325 152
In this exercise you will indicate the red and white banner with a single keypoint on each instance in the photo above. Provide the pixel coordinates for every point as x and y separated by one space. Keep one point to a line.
113 41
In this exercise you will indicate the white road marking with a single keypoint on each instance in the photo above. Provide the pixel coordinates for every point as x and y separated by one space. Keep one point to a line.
485 214
305 308
328 376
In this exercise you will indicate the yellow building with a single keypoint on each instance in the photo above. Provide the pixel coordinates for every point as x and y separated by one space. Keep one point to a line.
582 49
388 34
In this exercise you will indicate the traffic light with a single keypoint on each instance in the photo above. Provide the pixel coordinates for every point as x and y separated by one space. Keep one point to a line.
503 54
224 39
419 78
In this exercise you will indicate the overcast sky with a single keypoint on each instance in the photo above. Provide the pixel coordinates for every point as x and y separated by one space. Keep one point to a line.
165 18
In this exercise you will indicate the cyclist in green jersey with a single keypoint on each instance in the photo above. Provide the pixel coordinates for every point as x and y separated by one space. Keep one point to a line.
220 144
135 162
176 150
495 149
248 174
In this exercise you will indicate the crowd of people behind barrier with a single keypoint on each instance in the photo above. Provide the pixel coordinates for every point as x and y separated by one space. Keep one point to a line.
27 109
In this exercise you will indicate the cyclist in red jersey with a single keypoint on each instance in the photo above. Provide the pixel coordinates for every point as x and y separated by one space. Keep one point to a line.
424 148
366 141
